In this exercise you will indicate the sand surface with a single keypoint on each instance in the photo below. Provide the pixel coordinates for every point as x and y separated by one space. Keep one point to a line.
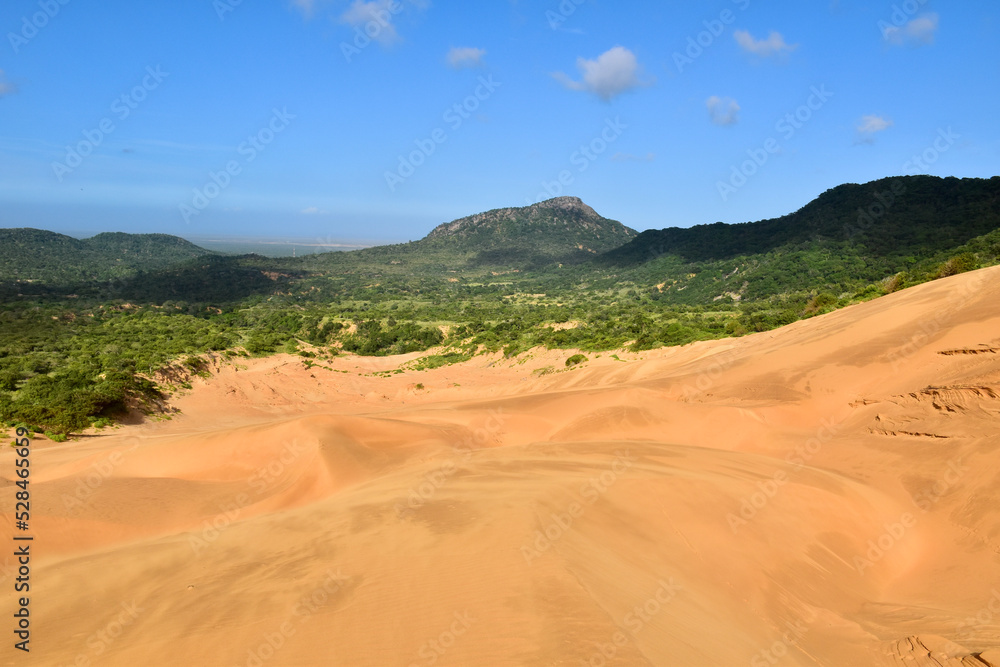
823 494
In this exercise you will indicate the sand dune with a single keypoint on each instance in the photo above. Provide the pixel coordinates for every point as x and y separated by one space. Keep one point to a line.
823 494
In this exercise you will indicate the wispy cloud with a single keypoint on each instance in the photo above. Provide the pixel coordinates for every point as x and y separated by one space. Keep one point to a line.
305 6
312 210
774 45
613 72
918 31
459 57
871 125
176 147
723 110
374 17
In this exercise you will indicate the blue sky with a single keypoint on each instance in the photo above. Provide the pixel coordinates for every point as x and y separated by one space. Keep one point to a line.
378 120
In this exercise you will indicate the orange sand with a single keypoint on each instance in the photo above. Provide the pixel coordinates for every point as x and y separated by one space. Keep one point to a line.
824 494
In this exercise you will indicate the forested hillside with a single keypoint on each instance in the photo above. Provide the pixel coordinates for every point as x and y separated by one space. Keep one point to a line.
56 259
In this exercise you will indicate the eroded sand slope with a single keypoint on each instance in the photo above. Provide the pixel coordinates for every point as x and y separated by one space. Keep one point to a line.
824 494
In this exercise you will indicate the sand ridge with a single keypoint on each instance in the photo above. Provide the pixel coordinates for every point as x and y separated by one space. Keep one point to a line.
824 494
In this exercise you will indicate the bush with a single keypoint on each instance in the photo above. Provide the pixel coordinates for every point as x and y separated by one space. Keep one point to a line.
195 363
576 359
734 328
820 303
372 339
958 264
894 283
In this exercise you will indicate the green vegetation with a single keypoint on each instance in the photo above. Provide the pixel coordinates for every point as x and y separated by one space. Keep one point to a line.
35 255
90 329
576 359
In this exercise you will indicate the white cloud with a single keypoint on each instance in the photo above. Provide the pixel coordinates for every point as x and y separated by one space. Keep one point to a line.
614 72
305 6
723 110
312 210
915 32
465 57
772 46
872 124
374 17
6 87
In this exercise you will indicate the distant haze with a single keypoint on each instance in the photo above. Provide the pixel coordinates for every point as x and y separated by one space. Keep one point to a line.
276 246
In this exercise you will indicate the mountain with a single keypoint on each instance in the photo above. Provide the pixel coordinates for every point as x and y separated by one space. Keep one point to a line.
40 256
563 229
551 233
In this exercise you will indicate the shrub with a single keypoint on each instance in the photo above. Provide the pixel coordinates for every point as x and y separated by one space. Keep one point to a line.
894 283
734 328
958 264
576 359
820 303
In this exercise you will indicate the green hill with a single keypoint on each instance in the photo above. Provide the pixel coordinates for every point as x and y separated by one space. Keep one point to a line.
889 217
34 255
563 229
850 235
